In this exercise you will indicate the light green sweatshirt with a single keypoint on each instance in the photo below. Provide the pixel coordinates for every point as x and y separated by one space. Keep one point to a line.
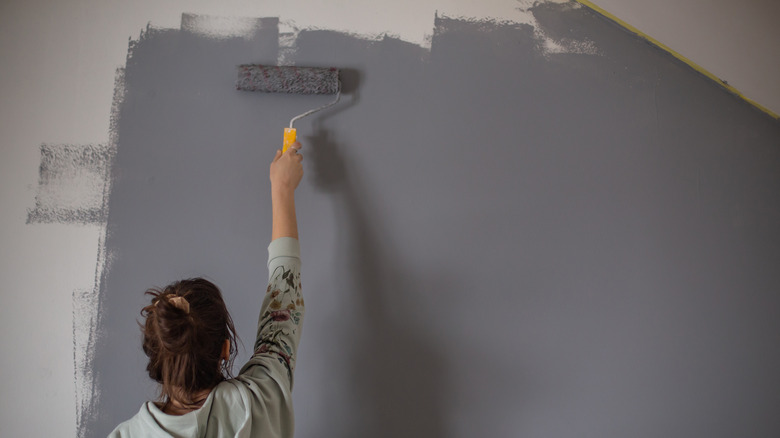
258 402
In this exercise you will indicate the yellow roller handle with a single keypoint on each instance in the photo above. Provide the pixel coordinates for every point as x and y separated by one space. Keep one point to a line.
289 138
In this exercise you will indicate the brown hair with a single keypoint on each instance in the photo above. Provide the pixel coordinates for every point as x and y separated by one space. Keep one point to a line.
186 326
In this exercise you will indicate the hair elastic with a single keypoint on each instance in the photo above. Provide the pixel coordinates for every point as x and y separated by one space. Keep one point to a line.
181 303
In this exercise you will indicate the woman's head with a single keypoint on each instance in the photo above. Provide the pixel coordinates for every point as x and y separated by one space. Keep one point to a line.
185 333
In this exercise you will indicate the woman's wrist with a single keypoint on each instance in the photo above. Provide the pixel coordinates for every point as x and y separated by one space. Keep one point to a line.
281 190
285 223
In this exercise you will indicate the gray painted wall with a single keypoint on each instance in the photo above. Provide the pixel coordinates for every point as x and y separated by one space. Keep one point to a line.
496 241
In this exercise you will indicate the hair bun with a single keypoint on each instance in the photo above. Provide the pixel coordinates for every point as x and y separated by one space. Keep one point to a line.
184 338
174 324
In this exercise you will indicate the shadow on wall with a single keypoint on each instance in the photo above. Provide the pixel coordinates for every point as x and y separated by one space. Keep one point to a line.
397 374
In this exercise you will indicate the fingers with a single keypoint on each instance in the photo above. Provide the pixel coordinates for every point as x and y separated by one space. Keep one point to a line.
295 147
294 151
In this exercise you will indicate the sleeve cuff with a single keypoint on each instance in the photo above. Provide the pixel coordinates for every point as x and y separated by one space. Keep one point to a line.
284 247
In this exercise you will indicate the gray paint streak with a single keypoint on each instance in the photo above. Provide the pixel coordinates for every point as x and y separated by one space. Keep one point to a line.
496 242
73 184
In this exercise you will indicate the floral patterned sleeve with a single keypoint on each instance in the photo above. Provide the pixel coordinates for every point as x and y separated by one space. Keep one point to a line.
281 314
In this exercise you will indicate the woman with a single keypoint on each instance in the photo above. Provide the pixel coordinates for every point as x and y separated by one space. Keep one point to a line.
190 340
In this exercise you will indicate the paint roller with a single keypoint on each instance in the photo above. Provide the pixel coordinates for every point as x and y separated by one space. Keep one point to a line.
292 80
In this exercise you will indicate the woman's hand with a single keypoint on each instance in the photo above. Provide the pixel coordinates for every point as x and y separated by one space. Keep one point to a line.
286 169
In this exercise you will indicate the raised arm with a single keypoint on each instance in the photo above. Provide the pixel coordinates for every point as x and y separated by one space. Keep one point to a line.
282 310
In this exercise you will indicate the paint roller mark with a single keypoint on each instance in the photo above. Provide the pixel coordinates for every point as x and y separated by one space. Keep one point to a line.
72 184
288 35
547 43
84 338
222 28
87 321
226 27
553 43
